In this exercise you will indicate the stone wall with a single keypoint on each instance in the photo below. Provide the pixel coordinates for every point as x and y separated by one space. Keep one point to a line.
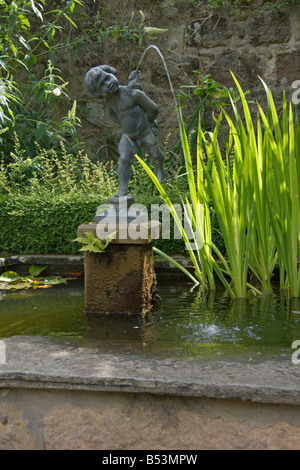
81 420
73 395
246 41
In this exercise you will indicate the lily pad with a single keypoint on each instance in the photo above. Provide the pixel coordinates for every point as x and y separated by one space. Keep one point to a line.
35 269
9 276
10 281
54 280
18 286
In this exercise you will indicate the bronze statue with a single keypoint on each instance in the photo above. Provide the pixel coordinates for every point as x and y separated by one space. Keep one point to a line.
130 107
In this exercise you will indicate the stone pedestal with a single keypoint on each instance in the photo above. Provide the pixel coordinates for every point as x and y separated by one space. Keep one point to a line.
121 280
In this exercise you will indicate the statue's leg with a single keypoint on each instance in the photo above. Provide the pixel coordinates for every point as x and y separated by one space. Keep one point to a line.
151 146
127 149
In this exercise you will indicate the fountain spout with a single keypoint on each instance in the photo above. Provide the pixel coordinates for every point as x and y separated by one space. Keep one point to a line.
153 46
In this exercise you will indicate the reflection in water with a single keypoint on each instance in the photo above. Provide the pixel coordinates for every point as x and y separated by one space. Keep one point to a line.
54 311
186 323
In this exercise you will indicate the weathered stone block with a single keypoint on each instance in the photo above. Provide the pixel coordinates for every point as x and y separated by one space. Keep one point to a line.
270 28
288 66
210 32
120 280
246 66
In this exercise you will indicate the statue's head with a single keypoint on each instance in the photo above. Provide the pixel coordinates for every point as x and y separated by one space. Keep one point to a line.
102 81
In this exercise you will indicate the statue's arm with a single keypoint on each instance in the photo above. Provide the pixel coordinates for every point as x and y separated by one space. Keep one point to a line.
150 108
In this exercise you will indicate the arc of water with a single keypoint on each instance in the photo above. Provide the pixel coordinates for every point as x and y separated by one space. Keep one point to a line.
153 46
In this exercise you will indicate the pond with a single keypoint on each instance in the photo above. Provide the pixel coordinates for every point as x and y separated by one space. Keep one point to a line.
185 324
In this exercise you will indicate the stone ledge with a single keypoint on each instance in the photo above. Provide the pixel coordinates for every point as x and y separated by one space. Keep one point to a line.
51 259
126 234
42 363
57 260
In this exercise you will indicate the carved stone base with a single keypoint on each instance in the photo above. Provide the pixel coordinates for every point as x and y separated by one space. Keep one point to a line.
119 281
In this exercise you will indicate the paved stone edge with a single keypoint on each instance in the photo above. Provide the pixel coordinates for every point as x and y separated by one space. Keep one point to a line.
125 385
78 260
41 363
49 259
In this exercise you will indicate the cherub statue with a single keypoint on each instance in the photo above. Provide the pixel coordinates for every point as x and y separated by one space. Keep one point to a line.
130 107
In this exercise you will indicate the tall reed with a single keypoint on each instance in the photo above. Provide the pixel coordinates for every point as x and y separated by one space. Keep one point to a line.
263 254
196 213
283 183
229 186
254 189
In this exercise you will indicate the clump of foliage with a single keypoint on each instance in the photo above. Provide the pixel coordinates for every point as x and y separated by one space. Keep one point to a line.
50 171
92 244
32 35
28 99
254 185
206 95
43 199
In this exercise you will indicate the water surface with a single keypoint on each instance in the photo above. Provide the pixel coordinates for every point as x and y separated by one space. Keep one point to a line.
185 324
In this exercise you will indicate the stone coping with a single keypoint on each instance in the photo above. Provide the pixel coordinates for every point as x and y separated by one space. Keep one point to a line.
126 234
51 364
51 259
57 260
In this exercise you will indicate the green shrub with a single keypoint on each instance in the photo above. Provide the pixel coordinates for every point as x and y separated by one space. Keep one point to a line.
48 223
45 224
44 199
